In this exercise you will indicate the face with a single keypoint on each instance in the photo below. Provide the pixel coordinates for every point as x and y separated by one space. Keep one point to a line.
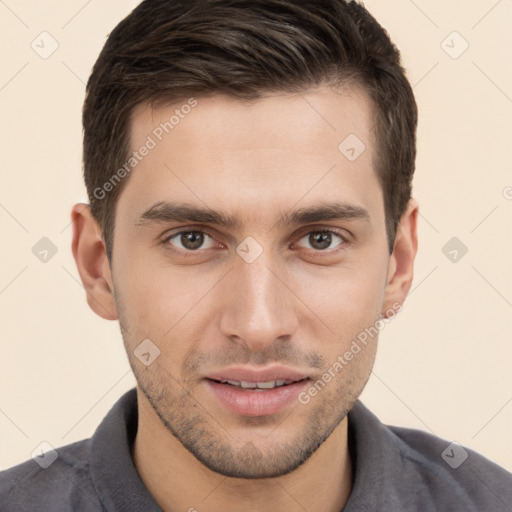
249 248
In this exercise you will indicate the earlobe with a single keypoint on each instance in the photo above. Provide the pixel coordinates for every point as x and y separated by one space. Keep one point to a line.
401 263
92 263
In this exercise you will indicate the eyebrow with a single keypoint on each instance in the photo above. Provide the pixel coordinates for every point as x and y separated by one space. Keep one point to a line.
164 212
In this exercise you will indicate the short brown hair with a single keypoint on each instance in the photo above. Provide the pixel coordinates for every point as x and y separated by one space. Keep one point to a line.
170 49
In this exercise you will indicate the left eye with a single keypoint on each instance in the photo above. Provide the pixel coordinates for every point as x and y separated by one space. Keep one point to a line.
321 240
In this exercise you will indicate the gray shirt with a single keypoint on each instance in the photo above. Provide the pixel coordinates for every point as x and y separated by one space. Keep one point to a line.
396 469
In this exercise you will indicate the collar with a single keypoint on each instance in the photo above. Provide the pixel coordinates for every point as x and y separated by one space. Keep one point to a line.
113 471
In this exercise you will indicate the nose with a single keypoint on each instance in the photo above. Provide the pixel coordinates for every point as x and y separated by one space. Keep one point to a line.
260 309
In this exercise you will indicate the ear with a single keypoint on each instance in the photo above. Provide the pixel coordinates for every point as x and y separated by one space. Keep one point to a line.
91 260
401 262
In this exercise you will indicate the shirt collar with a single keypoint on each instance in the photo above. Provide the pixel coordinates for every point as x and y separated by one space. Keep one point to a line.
113 471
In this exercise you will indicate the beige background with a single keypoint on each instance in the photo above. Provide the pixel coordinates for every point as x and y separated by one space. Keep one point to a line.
443 366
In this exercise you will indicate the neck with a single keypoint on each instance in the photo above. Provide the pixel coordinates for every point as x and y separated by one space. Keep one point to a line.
178 481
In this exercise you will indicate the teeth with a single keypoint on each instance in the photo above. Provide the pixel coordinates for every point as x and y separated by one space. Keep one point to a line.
267 385
248 385
271 384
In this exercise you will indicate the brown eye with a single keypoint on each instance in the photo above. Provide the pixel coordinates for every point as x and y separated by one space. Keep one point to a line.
189 240
322 240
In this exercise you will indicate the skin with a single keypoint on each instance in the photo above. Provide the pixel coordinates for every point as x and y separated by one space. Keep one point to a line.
256 160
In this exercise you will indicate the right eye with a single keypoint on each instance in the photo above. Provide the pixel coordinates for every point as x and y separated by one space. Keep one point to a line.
189 240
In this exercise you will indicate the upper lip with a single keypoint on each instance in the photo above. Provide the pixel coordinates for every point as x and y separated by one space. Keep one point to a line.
251 374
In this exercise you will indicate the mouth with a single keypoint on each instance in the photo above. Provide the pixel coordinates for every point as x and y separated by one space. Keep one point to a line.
256 393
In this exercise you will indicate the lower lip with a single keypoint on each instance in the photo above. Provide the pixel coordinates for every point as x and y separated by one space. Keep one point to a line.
250 402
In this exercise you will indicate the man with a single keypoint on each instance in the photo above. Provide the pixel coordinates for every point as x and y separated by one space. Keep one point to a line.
249 169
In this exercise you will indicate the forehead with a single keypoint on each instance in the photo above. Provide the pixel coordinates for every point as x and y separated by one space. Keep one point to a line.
244 156
270 121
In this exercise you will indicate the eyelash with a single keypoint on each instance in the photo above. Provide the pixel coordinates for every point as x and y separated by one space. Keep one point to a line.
190 254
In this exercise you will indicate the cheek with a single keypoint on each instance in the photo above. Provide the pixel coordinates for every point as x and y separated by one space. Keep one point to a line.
343 306
168 305
351 294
